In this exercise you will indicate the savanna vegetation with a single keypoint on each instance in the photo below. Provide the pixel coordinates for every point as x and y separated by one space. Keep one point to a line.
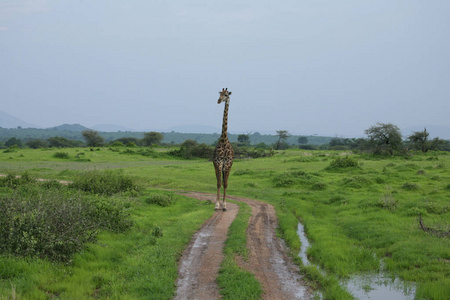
112 231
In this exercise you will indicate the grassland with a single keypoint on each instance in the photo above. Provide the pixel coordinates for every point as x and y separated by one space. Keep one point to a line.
357 217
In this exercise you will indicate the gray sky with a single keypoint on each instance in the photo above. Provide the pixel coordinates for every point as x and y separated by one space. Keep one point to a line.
310 67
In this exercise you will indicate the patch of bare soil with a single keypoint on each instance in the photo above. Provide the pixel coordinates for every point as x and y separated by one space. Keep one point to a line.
268 255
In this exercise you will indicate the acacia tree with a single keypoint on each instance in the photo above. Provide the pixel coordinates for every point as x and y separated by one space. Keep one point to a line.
152 138
419 140
384 138
244 139
282 137
93 138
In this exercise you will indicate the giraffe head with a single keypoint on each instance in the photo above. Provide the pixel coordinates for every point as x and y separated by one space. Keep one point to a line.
224 96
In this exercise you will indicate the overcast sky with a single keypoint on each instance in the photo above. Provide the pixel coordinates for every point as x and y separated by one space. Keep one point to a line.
309 67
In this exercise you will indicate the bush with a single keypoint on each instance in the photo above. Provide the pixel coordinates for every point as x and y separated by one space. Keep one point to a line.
105 182
53 223
160 199
61 155
410 186
387 201
190 149
283 180
342 163
14 181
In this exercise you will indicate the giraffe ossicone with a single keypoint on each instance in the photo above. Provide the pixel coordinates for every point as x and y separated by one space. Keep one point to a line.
223 153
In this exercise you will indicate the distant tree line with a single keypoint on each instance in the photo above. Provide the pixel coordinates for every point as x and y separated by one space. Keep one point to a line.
382 139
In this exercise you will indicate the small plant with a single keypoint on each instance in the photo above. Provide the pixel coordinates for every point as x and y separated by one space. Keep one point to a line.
387 201
63 155
157 232
410 186
421 172
319 186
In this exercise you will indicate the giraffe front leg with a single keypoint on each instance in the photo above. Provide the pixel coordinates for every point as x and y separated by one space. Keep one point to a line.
224 199
219 183
217 207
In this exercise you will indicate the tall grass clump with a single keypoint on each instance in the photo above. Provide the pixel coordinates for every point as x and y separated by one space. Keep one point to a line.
105 182
54 223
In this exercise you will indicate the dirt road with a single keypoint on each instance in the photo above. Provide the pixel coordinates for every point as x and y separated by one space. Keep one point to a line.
268 258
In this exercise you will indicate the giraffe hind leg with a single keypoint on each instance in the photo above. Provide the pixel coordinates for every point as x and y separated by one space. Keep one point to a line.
226 173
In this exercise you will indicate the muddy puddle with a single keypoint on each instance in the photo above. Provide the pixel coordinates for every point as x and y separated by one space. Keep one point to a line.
377 286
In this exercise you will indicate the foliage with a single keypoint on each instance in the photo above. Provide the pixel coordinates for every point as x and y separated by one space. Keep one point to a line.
302 140
61 142
54 224
37 143
282 137
387 201
105 182
61 155
190 149
93 138
244 139
152 138
343 163
14 142
161 199
384 138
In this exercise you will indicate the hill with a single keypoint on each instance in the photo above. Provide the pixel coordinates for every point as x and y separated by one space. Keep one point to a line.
69 127
9 121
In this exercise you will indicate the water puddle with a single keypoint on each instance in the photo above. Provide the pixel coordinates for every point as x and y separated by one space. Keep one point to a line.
368 286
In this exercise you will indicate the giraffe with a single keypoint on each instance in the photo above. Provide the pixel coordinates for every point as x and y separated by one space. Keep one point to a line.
223 153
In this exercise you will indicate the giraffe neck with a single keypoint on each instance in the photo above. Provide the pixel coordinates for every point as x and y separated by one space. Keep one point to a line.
224 136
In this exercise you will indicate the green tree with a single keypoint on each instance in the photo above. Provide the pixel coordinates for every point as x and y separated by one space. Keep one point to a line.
37 143
244 139
152 138
61 142
282 137
93 138
14 142
302 140
419 140
384 138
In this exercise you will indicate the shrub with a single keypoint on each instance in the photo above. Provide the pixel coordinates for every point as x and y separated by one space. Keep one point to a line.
14 181
61 155
117 144
105 182
343 163
53 223
410 186
160 199
387 201
283 180
190 149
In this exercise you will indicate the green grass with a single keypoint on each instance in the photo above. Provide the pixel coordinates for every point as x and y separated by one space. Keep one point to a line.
235 282
132 265
354 217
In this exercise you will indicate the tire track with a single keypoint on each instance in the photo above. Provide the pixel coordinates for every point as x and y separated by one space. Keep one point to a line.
268 255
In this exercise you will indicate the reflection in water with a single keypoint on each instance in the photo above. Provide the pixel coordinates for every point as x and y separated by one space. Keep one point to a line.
368 286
